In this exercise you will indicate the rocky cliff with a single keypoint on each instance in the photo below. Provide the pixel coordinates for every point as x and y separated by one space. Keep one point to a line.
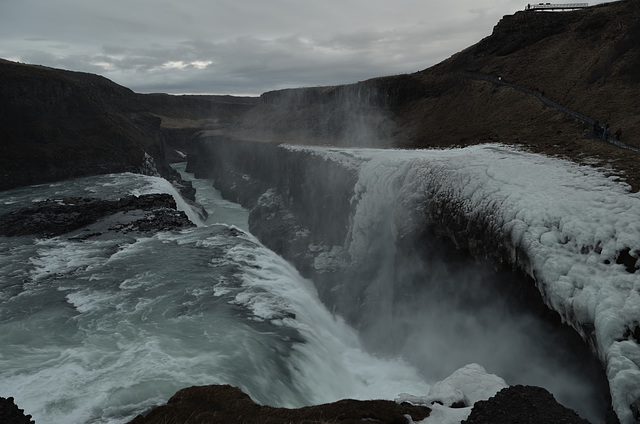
57 124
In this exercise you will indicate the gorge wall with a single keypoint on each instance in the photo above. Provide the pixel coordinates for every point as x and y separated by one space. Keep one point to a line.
57 124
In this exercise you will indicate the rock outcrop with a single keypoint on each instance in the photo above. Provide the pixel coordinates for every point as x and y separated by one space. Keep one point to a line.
148 213
227 404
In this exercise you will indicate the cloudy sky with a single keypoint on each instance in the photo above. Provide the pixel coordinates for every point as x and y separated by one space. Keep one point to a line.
243 46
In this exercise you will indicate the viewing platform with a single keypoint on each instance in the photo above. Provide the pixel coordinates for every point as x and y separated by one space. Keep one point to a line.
554 6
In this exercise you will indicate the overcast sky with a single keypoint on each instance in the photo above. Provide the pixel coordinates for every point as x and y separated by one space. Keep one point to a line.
243 46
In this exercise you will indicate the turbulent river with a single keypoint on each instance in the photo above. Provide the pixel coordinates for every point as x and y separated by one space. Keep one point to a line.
100 330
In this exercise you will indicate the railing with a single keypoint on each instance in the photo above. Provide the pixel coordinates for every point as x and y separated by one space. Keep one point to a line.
551 6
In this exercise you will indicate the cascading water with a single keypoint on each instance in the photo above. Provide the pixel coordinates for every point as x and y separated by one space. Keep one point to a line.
435 307
103 329
442 310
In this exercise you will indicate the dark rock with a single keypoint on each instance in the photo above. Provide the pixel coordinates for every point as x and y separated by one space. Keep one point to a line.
54 217
522 405
628 259
226 404
11 414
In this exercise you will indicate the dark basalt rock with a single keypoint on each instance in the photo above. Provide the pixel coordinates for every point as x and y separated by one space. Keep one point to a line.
522 405
225 404
54 217
11 414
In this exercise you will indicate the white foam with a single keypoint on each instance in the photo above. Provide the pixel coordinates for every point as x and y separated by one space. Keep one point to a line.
331 364
58 256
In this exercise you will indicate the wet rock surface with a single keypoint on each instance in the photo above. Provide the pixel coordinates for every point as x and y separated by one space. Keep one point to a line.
53 217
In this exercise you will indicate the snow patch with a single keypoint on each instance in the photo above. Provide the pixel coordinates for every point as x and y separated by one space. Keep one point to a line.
452 399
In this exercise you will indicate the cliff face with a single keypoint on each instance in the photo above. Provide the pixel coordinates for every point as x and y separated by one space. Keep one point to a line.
57 124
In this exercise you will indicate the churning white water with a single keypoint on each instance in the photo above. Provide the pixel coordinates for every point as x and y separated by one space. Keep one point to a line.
100 330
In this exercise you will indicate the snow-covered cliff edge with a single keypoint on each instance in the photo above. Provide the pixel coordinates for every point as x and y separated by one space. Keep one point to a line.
349 212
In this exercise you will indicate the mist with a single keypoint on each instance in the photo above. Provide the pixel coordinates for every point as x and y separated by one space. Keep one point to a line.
440 311
354 115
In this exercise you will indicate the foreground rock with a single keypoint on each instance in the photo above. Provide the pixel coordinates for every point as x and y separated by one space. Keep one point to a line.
227 404
53 217
11 414
523 405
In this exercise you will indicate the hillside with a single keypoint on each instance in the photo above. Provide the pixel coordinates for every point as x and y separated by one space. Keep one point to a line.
586 60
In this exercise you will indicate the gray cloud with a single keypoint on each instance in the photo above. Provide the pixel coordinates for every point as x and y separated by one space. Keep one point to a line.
248 47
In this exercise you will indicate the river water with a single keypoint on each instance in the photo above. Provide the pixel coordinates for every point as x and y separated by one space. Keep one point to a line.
101 330
98 331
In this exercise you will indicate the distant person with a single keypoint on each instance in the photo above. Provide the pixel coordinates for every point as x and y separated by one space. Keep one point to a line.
618 134
607 133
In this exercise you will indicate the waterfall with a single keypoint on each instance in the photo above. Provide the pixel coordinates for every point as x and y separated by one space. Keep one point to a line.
413 294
